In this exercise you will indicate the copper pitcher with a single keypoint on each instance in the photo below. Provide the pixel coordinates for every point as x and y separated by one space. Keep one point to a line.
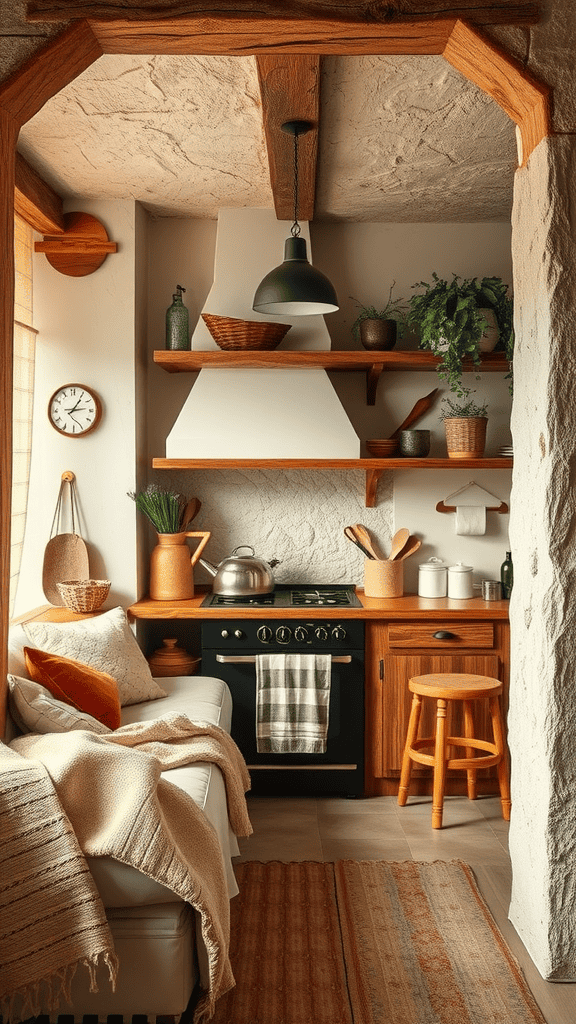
172 565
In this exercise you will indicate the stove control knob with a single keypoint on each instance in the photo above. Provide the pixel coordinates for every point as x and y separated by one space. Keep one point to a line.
264 634
238 634
301 634
225 634
321 633
339 633
283 634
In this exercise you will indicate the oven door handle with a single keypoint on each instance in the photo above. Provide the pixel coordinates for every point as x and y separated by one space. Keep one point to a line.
250 659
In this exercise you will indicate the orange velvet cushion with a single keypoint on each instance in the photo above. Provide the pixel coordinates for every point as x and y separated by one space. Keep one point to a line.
85 689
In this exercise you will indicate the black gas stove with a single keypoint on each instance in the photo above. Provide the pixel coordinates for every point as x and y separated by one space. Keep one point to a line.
299 595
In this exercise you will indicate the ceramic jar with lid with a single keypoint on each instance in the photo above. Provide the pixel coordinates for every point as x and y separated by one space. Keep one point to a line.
432 578
460 581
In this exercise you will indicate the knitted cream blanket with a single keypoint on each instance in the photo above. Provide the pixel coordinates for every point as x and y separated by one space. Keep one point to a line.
51 916
119 806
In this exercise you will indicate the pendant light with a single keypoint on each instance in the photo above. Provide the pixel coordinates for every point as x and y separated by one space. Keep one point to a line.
295 288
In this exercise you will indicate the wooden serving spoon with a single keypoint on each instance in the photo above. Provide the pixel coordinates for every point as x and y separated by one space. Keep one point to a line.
349 533
418 410
398 541
411 545
365 539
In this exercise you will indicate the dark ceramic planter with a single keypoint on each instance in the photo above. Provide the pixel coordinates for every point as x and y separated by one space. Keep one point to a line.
378 335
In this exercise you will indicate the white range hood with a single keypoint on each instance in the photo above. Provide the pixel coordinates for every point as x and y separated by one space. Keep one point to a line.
263 413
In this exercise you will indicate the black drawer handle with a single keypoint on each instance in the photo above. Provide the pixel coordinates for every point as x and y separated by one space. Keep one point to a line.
443 634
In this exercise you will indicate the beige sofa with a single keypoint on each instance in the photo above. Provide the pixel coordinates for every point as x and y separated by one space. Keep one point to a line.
154 931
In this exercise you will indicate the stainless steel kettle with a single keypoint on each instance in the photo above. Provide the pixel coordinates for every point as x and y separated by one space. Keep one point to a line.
241 575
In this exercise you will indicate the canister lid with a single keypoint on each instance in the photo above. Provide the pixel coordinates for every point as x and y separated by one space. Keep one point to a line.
459 567
432 565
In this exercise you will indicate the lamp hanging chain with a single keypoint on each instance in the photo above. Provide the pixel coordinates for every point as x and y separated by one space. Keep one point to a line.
295 229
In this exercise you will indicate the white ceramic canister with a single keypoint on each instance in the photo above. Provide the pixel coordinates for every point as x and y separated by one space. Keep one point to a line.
432 578
460 581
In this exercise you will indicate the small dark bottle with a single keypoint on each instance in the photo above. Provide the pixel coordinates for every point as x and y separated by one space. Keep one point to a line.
177 337
507 576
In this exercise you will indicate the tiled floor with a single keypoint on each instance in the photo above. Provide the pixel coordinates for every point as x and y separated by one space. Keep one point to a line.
324 828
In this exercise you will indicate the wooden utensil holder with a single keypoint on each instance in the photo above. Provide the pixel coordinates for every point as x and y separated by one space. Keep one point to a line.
383 578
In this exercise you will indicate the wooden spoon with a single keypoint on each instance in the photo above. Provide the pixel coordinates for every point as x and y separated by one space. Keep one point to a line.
398 541
411 545
349 533
418 410
364 537
190 512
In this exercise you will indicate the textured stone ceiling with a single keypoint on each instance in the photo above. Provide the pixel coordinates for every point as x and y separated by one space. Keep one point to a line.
401 139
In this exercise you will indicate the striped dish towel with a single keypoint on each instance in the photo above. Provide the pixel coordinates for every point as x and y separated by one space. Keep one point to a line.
292 703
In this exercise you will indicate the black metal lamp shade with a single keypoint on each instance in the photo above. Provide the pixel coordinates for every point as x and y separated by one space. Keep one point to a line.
295 288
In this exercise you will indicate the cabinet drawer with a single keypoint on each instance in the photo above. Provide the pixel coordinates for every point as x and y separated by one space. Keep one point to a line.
441 634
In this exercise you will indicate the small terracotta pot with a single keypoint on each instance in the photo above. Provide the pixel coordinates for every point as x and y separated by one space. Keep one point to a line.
379 335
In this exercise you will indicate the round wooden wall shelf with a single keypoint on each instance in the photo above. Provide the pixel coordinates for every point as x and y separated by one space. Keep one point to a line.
81 249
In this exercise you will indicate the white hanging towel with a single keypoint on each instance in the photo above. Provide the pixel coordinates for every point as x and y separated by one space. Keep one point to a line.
292 703
470 520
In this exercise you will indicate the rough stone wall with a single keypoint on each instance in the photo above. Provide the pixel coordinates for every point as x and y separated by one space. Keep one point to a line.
20 39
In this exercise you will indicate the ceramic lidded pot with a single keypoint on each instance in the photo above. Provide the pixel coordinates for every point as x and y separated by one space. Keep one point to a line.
460 584
432 578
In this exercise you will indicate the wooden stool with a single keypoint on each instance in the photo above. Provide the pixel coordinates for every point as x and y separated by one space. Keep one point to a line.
446 687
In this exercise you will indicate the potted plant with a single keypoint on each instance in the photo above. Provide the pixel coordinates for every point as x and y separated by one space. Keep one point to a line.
454 319
378 329
465 424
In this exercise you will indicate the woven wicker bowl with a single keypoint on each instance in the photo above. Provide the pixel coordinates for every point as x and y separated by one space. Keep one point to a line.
382 449
84 595
244 335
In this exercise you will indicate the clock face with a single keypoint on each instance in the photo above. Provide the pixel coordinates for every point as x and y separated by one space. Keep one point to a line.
74 410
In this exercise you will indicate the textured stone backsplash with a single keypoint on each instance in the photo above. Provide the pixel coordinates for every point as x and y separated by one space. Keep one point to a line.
297 516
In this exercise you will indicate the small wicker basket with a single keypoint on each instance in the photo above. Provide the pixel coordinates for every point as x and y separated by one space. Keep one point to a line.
465 437
84 595
232 334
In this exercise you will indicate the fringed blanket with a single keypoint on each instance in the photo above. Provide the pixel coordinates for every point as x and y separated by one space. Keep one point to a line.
51 916
111 790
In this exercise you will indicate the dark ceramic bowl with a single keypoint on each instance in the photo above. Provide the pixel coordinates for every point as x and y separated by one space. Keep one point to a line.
415 444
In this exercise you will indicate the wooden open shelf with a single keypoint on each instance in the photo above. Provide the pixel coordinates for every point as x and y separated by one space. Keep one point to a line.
373 364
372 467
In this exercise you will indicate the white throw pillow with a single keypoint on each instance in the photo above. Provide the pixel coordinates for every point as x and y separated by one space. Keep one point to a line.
107 644
34 709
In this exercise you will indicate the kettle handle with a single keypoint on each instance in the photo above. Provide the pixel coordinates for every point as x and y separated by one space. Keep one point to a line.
205 535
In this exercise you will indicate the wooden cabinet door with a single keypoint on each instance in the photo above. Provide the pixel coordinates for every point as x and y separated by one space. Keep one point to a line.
396 701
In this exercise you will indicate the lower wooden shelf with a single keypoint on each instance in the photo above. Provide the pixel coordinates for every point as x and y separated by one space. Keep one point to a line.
372 467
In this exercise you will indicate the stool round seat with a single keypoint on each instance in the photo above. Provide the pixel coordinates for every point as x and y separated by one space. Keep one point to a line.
445 687
455 686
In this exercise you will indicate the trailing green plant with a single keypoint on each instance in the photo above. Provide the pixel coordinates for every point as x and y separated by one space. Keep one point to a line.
467 409
450 322
163 508
394 309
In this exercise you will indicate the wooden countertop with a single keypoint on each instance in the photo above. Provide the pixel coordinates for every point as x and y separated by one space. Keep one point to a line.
408 607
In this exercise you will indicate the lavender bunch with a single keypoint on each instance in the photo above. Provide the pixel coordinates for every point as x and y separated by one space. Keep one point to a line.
163 508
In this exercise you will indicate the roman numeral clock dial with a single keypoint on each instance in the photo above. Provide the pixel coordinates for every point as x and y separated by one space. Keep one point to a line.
74 410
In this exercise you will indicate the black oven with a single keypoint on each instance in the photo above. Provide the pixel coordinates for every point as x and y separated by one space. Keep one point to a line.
229 649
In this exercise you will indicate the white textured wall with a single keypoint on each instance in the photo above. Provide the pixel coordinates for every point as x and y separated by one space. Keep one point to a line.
542 718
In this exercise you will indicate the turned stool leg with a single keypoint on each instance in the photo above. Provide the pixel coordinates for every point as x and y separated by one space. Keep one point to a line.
411 738
503 780
470 752
439 764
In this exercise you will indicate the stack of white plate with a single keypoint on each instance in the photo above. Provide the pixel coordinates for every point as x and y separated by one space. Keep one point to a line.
506 451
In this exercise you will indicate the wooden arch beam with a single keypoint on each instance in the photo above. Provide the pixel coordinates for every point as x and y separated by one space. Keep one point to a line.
526 100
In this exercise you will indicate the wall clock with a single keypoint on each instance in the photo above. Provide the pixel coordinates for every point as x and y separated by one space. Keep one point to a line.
74 410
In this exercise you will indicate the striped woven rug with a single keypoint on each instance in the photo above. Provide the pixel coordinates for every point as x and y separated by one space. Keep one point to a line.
369 942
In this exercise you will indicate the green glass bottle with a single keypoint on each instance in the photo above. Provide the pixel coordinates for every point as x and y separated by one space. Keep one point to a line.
177 333
507 576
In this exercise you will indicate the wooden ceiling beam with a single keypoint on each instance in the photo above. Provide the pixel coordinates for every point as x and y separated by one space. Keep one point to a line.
35 202
290 91
480 12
